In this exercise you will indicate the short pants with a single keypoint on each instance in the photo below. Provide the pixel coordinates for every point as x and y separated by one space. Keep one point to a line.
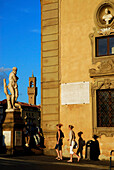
71 147
59 147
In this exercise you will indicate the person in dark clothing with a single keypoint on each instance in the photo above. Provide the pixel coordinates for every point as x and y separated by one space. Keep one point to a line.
37 137
59 137
26 132
96 148
81 144
40 132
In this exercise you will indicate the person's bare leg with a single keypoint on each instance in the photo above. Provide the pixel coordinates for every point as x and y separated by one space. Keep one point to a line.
57 153
70 158
61 154
25 139
77 156
28 141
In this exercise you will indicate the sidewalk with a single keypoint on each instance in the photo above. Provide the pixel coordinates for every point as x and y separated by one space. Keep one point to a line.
41 159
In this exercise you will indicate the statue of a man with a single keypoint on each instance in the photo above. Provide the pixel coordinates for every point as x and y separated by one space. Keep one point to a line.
107 17
13 88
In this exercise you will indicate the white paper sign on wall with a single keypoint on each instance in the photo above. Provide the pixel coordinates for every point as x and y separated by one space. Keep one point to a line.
7 138
75 93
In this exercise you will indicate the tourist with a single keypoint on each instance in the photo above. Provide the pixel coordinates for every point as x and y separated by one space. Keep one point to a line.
26 135
59 144
81 144
72 143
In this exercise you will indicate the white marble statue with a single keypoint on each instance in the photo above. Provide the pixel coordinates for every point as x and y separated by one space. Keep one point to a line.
107 17
13 88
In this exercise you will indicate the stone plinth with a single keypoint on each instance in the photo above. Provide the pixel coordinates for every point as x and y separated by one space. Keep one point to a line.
13 131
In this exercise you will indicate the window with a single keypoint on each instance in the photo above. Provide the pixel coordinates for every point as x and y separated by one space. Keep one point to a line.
104 46
105 108
31 84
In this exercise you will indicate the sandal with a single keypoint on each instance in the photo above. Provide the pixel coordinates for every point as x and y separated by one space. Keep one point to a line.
69 161
61 159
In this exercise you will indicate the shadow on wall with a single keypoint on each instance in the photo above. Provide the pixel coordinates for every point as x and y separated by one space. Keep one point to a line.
93 149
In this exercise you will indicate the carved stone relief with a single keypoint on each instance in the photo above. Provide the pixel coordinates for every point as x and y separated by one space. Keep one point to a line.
104 14
105 68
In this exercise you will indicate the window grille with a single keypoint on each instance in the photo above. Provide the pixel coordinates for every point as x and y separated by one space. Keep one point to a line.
105 108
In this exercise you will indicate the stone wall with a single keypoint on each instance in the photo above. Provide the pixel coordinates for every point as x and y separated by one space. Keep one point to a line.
77 22
50 70
67 58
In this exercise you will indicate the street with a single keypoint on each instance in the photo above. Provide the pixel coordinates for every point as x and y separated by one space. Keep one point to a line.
35 163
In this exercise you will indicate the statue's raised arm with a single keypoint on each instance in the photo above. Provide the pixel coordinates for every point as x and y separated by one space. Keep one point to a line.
13 88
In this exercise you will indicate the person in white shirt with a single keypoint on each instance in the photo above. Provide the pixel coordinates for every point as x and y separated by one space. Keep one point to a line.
72 143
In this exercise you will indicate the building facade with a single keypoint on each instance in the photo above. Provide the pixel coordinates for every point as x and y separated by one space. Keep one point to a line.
29 113
77 70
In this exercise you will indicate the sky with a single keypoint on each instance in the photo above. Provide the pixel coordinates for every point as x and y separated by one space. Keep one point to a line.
20 44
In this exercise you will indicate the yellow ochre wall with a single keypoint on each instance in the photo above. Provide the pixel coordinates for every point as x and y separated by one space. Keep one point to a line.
50 90
68 60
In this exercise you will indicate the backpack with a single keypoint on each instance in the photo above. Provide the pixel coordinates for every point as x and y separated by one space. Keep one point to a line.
75 146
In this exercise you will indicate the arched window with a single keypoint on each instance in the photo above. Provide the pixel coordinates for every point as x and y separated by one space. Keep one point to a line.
31 84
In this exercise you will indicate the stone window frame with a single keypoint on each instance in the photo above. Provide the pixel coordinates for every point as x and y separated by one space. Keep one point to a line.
101 83
93 37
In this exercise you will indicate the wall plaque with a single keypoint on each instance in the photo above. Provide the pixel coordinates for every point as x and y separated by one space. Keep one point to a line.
18 138
7 138
75 93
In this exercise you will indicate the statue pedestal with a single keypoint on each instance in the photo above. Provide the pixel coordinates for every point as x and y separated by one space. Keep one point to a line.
13 131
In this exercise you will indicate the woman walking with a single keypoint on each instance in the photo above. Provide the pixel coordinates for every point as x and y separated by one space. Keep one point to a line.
59 144
72 143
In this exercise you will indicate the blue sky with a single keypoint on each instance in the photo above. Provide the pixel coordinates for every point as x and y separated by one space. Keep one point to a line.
20 43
